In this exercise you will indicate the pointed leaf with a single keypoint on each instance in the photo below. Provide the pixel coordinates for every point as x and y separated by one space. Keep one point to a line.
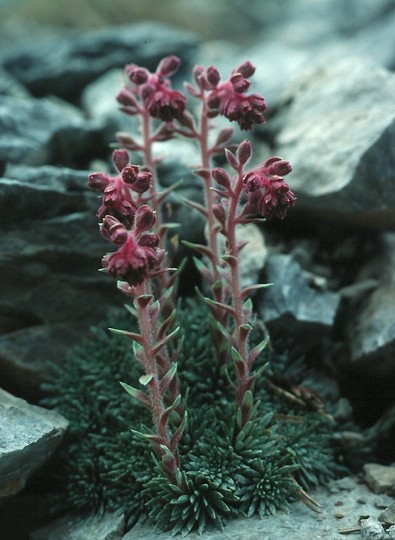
168 377
178 433
226 307
252 288
137 394
196 206
256 351
204 250
131 335
163 341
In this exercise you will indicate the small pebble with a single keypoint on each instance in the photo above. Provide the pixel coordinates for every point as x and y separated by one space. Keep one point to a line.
372 530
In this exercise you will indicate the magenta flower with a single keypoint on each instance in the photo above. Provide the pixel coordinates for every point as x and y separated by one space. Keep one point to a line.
137 256
229 98
117 201
267 192
117 191
155 91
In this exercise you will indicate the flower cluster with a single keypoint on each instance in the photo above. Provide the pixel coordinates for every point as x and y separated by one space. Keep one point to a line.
118 191
154 91
267 192
139 255
229 98
125 221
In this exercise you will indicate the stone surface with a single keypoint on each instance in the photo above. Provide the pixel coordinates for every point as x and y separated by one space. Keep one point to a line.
64 66
380 478
31 129
370 329
28 437
105 526
343 165
387 516
343 503
291 306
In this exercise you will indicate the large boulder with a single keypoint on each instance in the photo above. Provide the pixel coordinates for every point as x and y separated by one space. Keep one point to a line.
338 131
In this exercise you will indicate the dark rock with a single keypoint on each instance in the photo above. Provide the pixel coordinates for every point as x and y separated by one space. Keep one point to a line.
28 437
28 128
370 326
105 526
28 356
387 516
290 307
64 66
343 160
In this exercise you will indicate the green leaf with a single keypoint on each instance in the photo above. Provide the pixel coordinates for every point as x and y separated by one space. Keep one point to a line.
236 355
146 379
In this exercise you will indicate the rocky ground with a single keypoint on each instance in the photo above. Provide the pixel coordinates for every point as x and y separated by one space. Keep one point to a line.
327 73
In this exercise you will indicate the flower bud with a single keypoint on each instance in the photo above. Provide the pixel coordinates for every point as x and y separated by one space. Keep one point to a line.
224 136
120 159
221 177
126 98
246 69
219 213
149 240
239 83
244 152
168 66
213 75
113 230
144 218
278 166
137 74
142 182
98 181
129 174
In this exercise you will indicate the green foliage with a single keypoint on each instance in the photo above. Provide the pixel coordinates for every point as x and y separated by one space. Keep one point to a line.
227 470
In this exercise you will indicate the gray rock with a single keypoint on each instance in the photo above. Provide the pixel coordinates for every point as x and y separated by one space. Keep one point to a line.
291 305
28 437
33 130
387 516
51 291
380 478
371 529
106 526
370 329
65 66
336 150
341 510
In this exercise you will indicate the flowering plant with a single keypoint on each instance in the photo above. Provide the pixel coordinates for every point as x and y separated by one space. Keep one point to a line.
187 494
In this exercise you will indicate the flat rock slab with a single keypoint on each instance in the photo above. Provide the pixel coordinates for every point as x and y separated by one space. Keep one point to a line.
106 526
343 501
28 437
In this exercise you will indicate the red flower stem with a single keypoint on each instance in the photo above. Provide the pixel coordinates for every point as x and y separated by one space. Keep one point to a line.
243 383
205 153
151 368
150 163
